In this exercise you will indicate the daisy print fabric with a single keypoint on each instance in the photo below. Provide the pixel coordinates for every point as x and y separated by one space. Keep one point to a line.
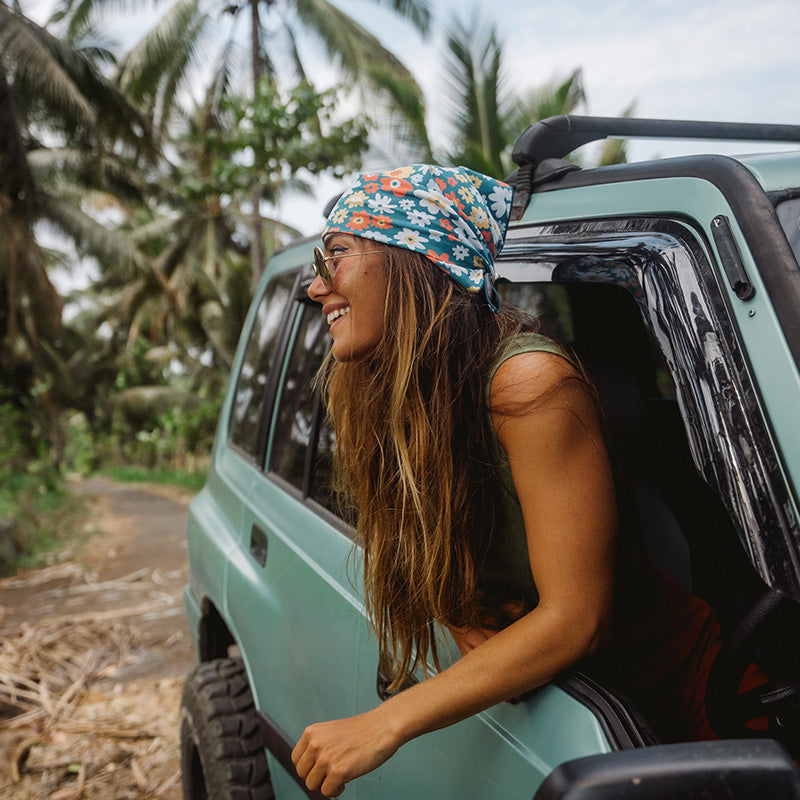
455 217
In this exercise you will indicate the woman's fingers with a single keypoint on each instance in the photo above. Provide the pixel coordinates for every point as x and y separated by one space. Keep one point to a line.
329 754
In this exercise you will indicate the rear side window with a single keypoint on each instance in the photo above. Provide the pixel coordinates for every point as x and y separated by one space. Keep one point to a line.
302 441
246 414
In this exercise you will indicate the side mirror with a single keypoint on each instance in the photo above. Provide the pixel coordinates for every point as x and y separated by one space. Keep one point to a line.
741 769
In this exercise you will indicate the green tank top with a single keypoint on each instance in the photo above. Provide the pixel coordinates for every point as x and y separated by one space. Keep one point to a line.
507 565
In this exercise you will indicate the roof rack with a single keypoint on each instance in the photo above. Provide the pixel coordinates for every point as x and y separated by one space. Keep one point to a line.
557 137
540 151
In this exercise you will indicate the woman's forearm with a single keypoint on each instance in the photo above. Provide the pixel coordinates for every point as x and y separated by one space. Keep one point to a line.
516 660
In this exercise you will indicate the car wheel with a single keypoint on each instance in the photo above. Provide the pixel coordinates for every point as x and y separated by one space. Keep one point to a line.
222 755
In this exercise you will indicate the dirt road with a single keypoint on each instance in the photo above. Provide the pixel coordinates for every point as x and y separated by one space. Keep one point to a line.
93 653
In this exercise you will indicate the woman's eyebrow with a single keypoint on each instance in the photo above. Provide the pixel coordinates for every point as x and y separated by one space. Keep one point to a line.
328 236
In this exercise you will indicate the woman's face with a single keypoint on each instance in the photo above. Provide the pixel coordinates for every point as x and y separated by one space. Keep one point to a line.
354 299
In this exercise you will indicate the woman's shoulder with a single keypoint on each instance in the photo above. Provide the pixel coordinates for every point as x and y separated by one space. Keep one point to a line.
528 355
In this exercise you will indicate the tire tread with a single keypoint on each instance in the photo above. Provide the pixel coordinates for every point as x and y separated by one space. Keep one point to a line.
219 720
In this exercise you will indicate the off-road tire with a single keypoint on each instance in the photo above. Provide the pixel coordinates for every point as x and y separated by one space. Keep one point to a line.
222 755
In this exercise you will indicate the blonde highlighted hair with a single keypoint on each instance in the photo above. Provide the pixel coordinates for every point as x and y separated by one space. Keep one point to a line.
412 455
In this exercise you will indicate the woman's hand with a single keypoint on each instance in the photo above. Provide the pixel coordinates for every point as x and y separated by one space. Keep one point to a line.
329 754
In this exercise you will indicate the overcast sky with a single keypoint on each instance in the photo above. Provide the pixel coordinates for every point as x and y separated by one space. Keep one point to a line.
717 59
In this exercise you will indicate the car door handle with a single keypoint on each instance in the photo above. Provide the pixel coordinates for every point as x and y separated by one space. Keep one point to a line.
258 545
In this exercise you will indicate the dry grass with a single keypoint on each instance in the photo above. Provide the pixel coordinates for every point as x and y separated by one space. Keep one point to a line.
69 730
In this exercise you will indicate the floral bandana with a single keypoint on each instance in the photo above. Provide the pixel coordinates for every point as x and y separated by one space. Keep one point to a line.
453 216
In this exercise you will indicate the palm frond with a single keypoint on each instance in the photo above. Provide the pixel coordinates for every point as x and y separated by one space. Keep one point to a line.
164 54
360 55
615 151
52 75
417 12
549 100
37 73
477 95
107 246
16 181
76 172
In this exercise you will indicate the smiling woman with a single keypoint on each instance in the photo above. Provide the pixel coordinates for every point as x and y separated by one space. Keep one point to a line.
444 408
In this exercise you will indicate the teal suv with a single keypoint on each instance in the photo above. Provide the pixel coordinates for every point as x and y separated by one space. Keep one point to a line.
677 282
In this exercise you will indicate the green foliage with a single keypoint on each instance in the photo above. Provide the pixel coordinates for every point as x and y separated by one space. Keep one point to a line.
488 112
36 513
179 439
271 139
169 477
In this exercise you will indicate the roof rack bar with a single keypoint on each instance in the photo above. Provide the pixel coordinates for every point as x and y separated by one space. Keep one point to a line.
557 137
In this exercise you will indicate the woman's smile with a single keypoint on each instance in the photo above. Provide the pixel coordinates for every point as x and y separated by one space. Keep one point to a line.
335 314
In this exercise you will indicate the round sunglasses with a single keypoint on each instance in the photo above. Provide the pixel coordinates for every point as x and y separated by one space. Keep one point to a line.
320 263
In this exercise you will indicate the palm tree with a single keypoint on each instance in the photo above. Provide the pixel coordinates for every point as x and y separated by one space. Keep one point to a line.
155 71
478 101
68 137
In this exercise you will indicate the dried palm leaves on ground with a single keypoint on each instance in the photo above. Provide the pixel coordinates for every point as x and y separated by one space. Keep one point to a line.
71 726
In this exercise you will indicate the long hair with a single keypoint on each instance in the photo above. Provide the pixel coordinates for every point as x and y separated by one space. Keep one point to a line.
412 456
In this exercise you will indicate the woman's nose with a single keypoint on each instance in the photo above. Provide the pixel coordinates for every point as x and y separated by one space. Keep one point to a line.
318 288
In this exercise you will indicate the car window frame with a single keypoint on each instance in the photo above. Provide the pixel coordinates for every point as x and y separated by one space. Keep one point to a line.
537 242
256 458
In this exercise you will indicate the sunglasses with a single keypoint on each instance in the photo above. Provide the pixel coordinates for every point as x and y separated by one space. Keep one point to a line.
320 263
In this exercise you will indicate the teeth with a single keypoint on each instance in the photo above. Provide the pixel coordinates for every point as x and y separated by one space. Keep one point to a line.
339 312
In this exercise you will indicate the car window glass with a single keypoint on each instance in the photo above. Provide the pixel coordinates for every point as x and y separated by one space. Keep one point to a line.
593 319
298 404
321 488
254 372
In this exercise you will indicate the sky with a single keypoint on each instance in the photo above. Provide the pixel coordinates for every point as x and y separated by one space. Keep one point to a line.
732 60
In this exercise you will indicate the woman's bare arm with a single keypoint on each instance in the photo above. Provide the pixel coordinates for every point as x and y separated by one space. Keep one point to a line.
563 479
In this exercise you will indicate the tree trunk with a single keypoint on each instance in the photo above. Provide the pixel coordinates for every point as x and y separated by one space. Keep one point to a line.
257 237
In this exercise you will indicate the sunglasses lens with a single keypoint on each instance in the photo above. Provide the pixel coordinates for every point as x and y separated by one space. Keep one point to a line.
320 265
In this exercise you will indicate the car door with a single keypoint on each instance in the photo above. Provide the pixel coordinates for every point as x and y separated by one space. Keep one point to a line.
505 751
297 614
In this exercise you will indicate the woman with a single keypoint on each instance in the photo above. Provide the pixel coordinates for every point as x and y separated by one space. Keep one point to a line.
473 450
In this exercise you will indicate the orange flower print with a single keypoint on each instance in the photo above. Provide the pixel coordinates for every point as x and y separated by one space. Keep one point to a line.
381 221
371 188
358 221
397 186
